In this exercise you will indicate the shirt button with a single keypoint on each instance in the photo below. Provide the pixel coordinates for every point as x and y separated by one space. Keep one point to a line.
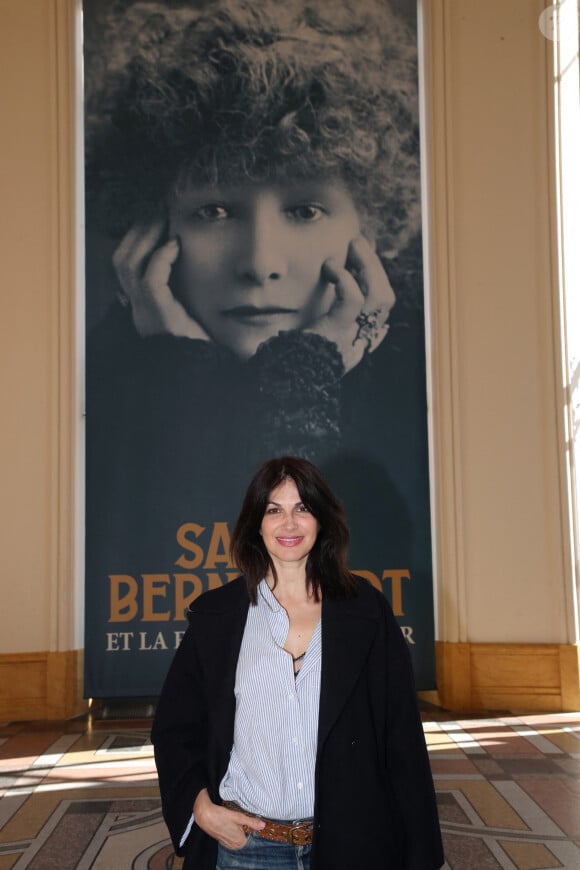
300 785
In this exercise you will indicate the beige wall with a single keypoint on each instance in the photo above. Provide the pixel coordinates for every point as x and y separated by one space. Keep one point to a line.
501 527
497 384
37 293
40 587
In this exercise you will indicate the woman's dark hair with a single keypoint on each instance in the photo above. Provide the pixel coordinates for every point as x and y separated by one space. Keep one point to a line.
226 91
326 570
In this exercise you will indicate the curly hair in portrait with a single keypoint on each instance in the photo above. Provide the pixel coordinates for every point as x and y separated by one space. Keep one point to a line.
326 569
226 91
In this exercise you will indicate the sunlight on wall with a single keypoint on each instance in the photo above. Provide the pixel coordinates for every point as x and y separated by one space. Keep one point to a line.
560 23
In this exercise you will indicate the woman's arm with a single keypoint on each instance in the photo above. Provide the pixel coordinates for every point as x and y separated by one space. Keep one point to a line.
179 737
295 388
407 760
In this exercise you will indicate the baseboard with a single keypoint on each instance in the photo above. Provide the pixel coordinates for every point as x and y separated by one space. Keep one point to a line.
43 685
477 676
514 677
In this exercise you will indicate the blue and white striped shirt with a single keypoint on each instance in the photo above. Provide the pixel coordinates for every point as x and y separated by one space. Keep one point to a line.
271 769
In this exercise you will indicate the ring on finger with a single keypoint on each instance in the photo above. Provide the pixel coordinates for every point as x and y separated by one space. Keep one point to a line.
369 327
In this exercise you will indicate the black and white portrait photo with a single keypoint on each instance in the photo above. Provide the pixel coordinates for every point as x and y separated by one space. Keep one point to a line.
253 289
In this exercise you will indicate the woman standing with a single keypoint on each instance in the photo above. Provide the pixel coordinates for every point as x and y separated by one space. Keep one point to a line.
288 721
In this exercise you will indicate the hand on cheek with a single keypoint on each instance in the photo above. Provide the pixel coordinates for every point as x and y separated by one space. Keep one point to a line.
143 263
357 320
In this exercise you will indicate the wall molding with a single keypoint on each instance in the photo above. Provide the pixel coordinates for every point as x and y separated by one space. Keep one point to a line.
41 685
441 308
519 676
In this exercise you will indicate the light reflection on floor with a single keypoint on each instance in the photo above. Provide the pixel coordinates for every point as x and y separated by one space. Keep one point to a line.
83 794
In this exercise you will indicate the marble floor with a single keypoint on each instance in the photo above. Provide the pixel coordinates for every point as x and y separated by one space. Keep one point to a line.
83 794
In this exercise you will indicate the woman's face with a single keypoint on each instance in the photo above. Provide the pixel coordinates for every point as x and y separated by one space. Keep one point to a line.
288 529
251 256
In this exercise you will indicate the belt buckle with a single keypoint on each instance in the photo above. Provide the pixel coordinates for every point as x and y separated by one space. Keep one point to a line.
292 834
296 832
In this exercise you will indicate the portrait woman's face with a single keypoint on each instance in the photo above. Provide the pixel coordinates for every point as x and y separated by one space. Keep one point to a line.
251 256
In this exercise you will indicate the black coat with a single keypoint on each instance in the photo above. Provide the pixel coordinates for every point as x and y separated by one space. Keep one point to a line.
374 797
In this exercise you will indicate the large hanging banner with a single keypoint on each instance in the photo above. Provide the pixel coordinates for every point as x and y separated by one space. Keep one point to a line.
252 213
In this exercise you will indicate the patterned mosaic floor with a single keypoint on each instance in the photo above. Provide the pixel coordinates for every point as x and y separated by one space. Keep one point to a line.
84 795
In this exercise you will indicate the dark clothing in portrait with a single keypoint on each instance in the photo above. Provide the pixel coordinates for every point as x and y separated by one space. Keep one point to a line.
176 427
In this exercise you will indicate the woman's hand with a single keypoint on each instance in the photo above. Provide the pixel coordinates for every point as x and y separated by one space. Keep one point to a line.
357 319
143 267
225 826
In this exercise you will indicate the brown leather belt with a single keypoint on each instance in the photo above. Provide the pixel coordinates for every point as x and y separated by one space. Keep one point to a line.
298 833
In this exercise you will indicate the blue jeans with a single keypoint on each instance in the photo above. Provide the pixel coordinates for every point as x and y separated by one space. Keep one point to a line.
259 854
